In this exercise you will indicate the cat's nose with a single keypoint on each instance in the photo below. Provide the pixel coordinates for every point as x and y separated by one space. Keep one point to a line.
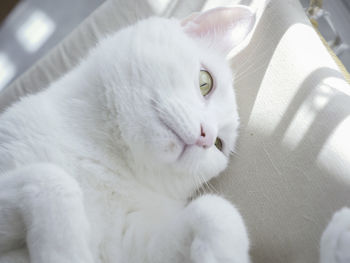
207 137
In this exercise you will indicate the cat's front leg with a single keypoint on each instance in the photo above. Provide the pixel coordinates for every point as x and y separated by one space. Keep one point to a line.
208 230
335 241
43 205
219 231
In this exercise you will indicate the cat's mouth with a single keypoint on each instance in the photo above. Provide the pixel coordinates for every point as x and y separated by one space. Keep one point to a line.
179 144
184 145
182 152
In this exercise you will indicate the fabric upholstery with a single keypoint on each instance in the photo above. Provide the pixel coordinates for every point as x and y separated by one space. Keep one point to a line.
292 166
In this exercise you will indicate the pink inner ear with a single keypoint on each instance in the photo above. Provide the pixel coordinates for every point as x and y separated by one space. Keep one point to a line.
225 27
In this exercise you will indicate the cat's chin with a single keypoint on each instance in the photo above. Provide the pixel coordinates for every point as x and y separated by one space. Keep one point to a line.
176 155
197 160
173 153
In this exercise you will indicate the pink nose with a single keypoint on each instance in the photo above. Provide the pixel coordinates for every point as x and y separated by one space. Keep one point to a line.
206 138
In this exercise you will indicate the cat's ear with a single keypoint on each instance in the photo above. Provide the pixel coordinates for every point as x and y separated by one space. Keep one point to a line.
225 27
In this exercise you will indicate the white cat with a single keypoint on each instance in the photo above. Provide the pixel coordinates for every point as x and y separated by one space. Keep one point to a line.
335 241
100 166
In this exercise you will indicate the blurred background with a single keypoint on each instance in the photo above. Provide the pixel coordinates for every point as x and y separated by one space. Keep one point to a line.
30 28
333 19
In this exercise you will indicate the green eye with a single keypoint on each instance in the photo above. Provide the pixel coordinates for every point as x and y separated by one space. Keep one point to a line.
218 143
205 82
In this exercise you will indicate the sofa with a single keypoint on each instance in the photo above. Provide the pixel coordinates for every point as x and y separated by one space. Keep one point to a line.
291 169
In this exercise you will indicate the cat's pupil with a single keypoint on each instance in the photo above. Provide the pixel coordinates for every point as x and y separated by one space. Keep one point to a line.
205 82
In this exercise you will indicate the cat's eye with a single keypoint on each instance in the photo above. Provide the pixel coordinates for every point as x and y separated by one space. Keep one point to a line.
205 82
218 143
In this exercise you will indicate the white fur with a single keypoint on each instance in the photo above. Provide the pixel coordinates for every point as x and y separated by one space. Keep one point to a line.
335 241
93 168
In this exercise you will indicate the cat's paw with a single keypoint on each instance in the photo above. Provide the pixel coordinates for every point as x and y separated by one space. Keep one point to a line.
219 234
335 241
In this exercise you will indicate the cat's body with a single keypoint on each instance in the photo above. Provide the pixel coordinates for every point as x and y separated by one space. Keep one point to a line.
100 166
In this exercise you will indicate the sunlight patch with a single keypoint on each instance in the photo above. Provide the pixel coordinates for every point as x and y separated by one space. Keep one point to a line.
159 6
7 70
306 115
35 31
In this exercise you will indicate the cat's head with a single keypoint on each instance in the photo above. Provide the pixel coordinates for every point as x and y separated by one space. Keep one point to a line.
174 89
